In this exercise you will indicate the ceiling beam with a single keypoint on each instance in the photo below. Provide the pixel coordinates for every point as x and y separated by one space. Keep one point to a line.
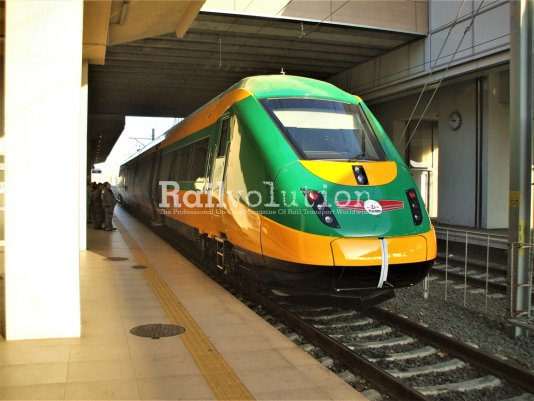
96 15
230 50
252 61
144 19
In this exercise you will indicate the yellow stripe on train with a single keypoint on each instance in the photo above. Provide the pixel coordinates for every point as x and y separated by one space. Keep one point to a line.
279 242
378 173
206 116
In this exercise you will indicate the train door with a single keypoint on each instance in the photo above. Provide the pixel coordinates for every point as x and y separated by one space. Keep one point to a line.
218 171
422 158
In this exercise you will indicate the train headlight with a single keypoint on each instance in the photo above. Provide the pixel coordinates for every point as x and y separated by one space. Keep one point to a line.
320 207
360 175
361 179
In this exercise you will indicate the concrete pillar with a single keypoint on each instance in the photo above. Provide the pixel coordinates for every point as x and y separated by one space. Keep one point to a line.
43 72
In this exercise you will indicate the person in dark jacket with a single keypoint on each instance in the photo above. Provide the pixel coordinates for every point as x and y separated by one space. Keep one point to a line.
108 202
96 207
90 189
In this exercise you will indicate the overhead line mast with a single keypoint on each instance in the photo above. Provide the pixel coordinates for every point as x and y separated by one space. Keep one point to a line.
520 195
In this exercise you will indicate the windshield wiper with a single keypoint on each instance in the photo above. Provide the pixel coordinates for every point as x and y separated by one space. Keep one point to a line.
359 156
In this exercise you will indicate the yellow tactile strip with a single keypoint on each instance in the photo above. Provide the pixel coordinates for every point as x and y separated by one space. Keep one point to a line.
220 377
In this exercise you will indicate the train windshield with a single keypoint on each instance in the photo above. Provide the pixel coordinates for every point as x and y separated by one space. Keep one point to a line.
325 129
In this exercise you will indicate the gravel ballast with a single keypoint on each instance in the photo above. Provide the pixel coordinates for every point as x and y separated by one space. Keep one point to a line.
469 323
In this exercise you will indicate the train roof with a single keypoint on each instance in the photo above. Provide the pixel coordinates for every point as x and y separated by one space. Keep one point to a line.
261 87
265 86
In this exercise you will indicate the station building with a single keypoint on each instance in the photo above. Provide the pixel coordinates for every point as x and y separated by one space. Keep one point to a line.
460 150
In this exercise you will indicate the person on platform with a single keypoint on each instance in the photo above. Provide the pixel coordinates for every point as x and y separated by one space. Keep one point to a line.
90 190
108 202
96 207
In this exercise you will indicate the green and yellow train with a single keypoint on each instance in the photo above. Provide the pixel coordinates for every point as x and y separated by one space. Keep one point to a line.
293 183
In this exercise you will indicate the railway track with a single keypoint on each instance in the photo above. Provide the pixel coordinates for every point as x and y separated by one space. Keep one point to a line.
403 359
493 280
473 277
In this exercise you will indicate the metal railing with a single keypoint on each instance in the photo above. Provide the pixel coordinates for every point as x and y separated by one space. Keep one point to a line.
522 287
487 285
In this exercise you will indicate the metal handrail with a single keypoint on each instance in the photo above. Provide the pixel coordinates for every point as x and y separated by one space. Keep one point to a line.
515 314
487 238
470 232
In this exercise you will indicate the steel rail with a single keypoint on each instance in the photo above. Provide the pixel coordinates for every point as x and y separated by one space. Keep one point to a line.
372 372
502 369
474 282
474 264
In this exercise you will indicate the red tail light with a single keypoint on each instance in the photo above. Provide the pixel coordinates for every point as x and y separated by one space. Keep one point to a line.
313 195
320 207
414 206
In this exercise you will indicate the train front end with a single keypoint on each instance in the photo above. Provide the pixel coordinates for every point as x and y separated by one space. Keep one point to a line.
349 219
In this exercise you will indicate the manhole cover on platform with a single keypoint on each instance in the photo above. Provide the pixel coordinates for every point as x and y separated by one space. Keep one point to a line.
116 258
156 331
138 267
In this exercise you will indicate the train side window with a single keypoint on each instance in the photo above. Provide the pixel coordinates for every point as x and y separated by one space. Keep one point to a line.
182 170
174 162
219 163
223 142
200 156
165 169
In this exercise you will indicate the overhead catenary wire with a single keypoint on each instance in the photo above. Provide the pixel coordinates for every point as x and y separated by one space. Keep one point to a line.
302 32
442 76
430 73
219 41
220 52
316 26
284 7
248 5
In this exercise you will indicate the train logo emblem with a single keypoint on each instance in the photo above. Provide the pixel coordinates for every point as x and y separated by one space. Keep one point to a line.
371 206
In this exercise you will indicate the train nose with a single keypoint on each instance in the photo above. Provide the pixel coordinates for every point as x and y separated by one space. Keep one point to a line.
356 251
381 262
373 251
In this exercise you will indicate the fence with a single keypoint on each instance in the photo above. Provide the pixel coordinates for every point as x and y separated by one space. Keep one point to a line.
477 269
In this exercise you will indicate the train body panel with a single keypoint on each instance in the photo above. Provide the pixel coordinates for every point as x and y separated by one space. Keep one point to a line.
297 246
348 204
298 179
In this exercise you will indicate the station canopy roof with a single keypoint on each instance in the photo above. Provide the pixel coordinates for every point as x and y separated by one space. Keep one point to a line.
168 76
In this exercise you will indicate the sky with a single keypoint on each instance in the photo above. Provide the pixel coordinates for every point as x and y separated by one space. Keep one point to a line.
137 133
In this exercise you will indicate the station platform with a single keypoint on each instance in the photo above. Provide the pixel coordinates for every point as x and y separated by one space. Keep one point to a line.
130 277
